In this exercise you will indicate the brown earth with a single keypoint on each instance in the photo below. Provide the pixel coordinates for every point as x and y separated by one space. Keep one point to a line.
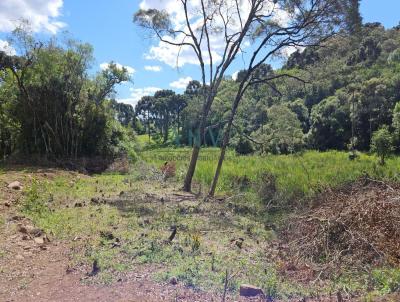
32 269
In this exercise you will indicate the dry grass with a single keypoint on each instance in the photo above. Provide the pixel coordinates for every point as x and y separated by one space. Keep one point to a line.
354 226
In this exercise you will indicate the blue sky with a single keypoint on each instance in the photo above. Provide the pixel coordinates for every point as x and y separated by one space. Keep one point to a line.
108 26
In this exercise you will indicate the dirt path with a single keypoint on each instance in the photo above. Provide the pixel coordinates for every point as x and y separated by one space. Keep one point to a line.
36 272
32 270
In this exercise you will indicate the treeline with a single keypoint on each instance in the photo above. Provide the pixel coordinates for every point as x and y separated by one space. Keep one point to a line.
332 97
50 106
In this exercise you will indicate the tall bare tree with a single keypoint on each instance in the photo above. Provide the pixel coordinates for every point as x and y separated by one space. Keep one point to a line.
309 23
218 31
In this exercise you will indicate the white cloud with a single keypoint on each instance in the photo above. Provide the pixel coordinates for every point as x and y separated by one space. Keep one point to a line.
41 14
153 68
7 48
175 56
131 70
130 101
287 51
137 94
181 83
235 75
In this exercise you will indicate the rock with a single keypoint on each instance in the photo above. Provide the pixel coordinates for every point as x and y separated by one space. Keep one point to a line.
22 229
15 185
7 204
107 235
20 258
17 218
30 230
39 240
173 281
250 291
95 269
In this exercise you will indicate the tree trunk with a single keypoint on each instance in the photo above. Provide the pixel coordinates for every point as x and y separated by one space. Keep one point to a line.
148 125
217 171
225 140
187 185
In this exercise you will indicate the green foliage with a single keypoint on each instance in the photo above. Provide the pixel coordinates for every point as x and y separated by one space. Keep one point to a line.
330 124
50 106
382 143
353 17
396 124
297 176
282 134
161 112
33 203
386 280
243 146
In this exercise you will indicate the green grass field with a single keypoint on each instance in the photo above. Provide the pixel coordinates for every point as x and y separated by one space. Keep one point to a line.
297 176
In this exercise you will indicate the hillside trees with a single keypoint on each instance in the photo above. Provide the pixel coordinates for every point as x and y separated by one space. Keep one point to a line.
353 17
163 111
330 124
282 134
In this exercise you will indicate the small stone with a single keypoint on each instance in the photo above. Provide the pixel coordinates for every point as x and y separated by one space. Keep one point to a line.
22 229
173 281
20 257
250 291
95 200
17 218
7 204
15 185
39 240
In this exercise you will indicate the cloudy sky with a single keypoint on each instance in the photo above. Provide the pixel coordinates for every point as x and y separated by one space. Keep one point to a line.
107 25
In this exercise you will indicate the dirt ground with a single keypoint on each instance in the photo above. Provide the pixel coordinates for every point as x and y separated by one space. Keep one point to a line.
35 269
31 270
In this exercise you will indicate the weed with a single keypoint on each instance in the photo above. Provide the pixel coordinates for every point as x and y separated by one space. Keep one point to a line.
295 176
386 280
33 203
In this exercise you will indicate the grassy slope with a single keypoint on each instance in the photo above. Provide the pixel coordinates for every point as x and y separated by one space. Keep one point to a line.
208 241
297 175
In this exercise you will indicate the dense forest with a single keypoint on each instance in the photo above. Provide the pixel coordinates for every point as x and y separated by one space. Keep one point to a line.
334 96
344 91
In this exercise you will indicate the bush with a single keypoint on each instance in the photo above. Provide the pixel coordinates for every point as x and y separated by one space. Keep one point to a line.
382 143
243 146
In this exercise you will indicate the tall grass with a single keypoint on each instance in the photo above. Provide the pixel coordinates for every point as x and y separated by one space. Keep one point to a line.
296 175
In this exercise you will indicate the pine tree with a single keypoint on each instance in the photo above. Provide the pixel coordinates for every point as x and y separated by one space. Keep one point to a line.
353 18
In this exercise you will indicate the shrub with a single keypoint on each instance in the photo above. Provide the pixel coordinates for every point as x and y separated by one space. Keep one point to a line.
382 143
